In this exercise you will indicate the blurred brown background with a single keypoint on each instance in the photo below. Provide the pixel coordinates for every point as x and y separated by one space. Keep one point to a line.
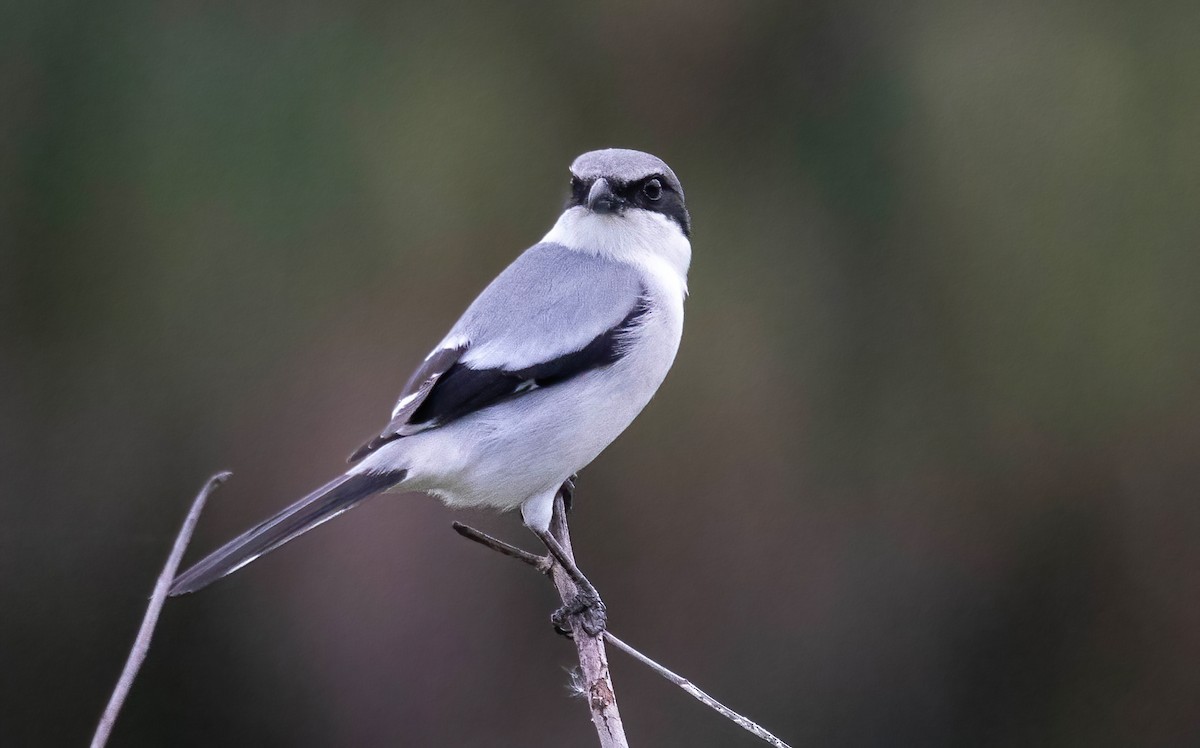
925 472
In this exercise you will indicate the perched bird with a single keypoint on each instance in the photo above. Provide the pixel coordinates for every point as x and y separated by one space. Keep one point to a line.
544 370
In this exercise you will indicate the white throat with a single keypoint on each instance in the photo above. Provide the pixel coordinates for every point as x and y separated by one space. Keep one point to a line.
639 237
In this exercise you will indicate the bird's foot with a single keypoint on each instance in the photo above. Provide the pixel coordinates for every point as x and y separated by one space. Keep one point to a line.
587 608
568 491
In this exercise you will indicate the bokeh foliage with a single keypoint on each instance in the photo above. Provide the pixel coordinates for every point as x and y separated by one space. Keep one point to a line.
925 472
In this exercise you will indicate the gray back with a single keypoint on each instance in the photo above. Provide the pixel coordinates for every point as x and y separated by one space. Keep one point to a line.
551 300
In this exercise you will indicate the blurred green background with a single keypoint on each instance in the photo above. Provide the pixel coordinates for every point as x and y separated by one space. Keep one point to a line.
926 470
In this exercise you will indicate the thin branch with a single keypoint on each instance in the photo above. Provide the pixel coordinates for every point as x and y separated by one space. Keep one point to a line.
141 645
745 723
591 646
593 661
594 680
541 563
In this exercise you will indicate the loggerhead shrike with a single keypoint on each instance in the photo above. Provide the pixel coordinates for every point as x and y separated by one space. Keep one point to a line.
545 369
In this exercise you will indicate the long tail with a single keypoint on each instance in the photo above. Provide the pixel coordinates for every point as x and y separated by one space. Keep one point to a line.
321 505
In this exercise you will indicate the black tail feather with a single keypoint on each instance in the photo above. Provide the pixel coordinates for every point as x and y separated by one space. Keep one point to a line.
319 506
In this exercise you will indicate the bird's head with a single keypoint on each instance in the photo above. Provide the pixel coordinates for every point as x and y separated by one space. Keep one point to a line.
616 182
627 205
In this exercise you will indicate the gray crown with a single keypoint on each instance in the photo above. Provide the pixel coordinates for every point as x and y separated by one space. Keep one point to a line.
623 165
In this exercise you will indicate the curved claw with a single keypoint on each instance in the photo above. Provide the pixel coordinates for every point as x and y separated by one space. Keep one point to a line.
588 608
567 490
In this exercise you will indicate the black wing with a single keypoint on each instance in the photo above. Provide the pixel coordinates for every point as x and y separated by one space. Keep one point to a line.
416 391
452 389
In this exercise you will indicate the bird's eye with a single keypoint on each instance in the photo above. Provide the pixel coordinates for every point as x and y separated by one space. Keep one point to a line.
652 189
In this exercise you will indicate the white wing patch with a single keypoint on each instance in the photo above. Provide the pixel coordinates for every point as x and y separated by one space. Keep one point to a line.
525 386
404 401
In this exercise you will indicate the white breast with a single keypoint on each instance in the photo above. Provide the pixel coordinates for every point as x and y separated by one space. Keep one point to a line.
637 236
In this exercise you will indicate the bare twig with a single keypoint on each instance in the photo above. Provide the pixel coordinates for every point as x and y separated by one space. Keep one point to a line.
593 661
746 724
141 645
596 683
541 563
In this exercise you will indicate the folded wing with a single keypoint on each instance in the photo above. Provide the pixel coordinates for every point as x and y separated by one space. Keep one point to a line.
550 316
